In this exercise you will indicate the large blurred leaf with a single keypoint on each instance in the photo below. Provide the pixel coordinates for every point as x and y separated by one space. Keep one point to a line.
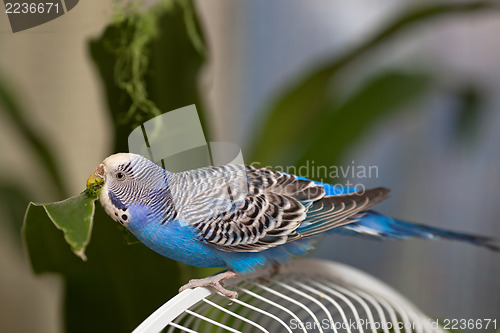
149 63
302 105
343 126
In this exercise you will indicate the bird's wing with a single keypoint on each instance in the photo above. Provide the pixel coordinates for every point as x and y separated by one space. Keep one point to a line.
273 212
339 210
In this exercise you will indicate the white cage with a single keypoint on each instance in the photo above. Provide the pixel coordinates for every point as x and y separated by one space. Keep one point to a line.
305 296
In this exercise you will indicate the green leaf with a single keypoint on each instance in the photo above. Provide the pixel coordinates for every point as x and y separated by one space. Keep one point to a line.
73 216
303 102
176 59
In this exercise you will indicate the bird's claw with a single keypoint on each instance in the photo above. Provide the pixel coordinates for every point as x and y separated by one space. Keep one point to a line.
214 281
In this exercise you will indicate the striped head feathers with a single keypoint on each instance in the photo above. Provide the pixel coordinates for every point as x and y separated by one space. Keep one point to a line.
126 179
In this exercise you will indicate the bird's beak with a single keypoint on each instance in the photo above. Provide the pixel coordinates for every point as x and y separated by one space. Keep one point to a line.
96 179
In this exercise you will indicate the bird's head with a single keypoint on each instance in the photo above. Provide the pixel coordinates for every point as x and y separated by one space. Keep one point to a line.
121 180
113 170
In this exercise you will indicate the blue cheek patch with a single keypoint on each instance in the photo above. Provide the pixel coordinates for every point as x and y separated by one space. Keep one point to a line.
115 201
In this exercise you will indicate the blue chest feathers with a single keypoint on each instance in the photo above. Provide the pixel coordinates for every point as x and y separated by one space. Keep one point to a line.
172 239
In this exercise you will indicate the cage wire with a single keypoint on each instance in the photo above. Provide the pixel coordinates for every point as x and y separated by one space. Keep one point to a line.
305 296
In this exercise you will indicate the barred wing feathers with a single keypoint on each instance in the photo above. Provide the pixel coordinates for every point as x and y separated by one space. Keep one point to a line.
336 211
278 208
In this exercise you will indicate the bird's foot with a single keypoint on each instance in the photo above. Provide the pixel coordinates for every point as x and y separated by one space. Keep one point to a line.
214 281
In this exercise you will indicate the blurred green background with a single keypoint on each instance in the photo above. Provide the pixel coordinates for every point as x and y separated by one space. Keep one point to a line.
411 88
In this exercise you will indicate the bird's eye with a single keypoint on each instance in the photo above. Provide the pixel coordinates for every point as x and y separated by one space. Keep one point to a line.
120 175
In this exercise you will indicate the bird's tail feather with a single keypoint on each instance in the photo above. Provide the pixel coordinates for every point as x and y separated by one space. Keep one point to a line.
380 226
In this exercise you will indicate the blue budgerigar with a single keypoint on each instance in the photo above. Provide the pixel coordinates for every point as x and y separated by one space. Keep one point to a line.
240 217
